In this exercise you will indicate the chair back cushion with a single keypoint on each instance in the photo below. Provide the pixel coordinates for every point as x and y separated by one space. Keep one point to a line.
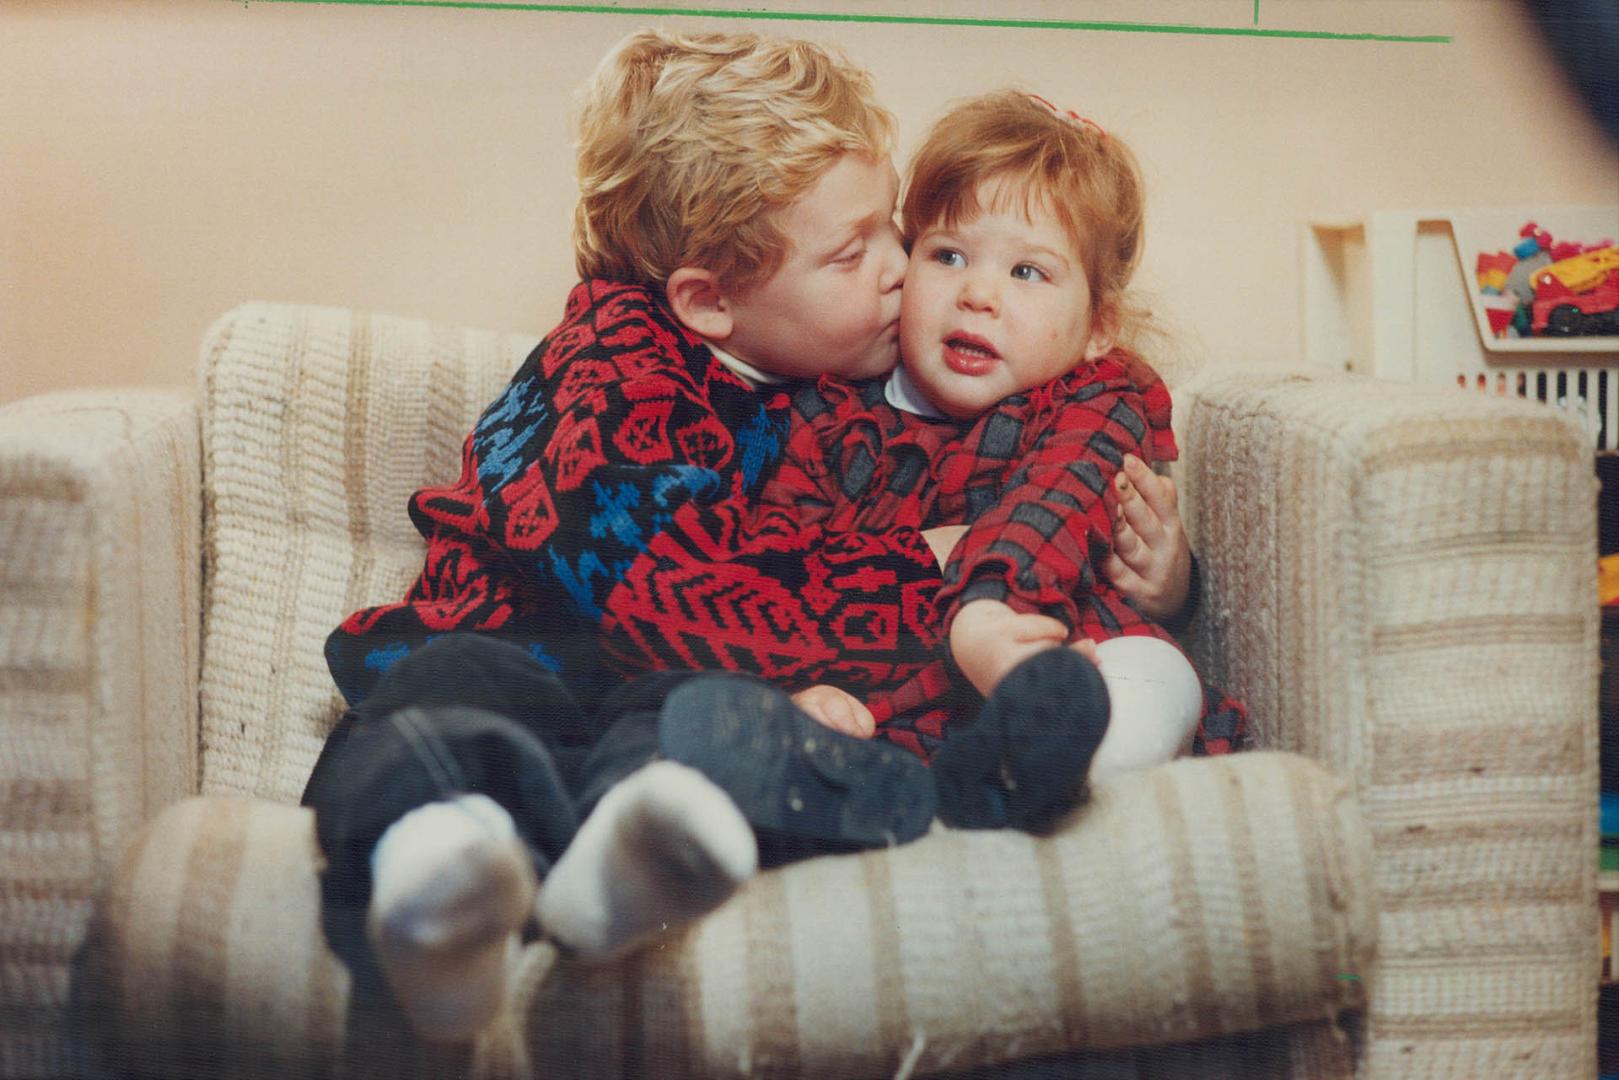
318 424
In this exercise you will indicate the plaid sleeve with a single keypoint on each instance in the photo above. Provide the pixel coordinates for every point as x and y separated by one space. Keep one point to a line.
853 463
1031 540
801 486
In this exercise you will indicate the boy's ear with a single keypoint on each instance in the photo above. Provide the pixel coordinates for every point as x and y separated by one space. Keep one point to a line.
1104 333
699 303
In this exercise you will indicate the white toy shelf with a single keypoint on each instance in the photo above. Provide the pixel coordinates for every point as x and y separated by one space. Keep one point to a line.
1395 295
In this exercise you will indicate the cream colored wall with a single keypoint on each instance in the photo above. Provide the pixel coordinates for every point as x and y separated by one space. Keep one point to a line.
161 162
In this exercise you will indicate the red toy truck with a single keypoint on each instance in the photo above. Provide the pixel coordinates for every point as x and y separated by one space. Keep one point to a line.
1578 296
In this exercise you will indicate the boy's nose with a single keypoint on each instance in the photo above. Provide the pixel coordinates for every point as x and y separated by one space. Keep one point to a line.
895 262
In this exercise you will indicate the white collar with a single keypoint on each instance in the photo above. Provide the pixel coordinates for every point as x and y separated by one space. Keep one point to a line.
902 393
742 369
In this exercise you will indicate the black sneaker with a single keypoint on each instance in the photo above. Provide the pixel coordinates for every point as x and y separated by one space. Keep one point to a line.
790 775
1022 763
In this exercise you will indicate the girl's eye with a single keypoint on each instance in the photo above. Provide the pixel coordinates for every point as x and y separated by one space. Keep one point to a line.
1028 272
851 257
949 257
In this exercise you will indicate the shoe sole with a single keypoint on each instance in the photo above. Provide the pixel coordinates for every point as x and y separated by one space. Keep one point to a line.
789 774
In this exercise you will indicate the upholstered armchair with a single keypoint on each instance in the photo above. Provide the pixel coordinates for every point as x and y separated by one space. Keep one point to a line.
1400 883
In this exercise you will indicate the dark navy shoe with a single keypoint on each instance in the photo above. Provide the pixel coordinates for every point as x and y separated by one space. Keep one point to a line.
1022 763
790 775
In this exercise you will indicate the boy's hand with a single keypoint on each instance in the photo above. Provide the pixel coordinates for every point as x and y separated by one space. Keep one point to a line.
836 709
943 539
989 639
1151 562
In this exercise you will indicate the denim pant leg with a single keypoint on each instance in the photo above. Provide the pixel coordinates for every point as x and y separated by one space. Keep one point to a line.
483 717
482 672
461 670
628 719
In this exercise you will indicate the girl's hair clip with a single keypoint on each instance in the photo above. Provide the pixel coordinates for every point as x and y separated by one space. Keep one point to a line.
1070 114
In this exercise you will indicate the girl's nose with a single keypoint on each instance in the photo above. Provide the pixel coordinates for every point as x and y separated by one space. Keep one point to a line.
978 293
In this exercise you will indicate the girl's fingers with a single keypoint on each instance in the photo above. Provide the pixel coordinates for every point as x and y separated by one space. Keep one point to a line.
1126 542
1140 512
1158 492
1124 579
1142 518
864 724
837 709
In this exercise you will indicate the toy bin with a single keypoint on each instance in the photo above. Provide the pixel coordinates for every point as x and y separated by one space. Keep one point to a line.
1396 295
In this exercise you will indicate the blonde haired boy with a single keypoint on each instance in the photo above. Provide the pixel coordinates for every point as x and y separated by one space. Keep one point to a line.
734 229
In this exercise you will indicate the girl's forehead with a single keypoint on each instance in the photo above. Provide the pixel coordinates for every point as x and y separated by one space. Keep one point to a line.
1016 197
1028 201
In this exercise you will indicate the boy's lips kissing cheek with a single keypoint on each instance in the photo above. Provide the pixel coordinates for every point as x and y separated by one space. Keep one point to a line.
969 354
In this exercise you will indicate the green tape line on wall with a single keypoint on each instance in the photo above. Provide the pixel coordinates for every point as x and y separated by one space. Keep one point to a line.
1254 31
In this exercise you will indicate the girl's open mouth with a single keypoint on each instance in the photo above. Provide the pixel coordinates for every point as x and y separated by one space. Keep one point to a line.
969 354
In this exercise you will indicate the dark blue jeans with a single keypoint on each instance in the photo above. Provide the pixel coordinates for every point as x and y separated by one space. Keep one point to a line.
468 713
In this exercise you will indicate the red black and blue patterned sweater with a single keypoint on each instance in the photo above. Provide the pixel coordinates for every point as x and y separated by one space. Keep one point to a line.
606 520
1029 477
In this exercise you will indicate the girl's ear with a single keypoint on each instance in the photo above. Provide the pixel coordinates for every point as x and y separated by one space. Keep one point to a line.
699 302
1104 331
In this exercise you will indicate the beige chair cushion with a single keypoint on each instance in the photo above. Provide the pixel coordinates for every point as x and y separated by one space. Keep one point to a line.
1206 897
318 423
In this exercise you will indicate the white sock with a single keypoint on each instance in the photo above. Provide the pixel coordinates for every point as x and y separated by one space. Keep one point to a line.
451 886
1156 698
660 849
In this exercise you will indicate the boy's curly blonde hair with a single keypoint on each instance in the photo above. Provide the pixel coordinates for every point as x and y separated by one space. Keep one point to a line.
689 145
1021 147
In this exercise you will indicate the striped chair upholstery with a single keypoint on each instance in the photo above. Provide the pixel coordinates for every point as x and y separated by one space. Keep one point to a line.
1204 898
1402 588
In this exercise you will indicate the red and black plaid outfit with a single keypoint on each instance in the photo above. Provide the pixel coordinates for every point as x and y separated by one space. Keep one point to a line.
1029 477
606 521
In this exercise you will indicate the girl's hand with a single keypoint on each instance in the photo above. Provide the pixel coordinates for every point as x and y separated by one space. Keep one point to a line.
836 709
1151 562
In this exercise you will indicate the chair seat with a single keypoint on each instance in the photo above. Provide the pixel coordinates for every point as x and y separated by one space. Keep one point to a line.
1205 897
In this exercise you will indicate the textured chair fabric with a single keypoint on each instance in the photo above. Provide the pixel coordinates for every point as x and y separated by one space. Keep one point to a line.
1207 897
100 608
1401 587
1398 581
317 425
